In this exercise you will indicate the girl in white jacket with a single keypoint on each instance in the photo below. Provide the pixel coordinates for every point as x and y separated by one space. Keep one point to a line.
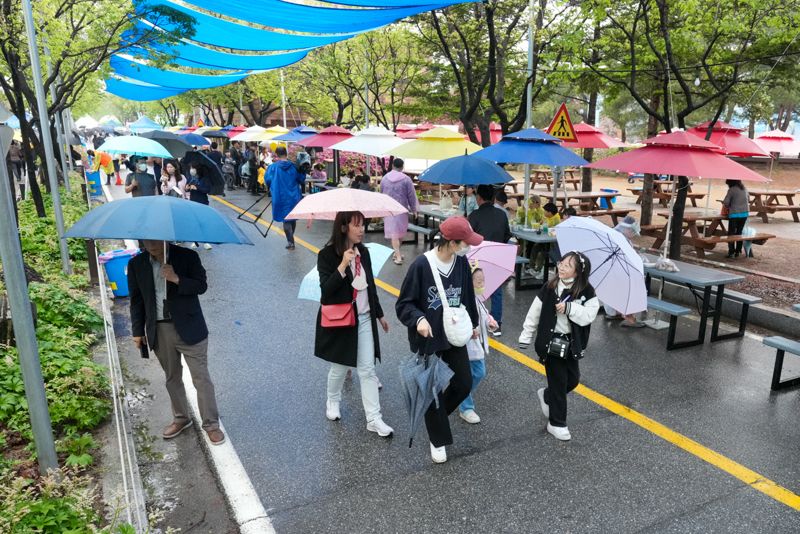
559 322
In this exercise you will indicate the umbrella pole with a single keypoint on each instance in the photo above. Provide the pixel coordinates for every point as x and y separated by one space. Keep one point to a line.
669 219
527 190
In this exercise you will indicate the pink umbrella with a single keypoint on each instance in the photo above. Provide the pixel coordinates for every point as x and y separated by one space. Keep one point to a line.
778 141
730 140
678 154
326 138
497 260
591 137
325 205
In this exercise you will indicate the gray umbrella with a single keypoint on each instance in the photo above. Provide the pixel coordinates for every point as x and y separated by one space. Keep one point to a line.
422 378
174 144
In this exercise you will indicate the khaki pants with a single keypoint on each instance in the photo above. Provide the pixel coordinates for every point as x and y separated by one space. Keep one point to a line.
170 348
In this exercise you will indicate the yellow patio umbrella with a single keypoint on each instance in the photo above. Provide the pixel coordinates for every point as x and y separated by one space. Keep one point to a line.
269 133
436 144
203 129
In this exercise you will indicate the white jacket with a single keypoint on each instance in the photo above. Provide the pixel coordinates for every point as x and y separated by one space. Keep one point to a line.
477 349
581 313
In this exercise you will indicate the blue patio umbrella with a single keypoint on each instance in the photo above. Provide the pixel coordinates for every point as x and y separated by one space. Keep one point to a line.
531 146
194 139
144 124
134 145
296 134
465 170
160 218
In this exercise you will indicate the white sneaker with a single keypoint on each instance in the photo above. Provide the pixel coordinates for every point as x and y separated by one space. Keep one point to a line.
559 432
380 428
542 404
193 245
207 246
438 454
332 410
469 416
497 333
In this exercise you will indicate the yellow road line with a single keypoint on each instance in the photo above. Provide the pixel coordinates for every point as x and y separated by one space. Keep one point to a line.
748 476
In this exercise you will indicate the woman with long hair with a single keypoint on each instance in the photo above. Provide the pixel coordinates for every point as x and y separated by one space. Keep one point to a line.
173 183
560 318
345 279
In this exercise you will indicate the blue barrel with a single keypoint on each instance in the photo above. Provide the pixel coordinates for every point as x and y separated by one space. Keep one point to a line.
604 202
116 264
95 183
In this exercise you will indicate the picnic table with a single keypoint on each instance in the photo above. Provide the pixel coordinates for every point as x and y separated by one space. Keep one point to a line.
532 236
766 201
704 283
545 177
701 230
662 191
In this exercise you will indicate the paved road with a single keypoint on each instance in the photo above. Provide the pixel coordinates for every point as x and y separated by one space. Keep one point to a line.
506 474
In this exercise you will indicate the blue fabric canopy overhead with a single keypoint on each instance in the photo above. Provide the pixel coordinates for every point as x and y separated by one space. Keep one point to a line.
131 90
306 18
226 34
386 3
166 78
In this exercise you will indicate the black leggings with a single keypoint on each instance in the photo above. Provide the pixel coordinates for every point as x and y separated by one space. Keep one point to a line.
289 228
563 375
436 420
735 227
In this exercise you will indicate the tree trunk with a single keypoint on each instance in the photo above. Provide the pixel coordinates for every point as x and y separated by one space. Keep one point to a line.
677 218
647 185
588 153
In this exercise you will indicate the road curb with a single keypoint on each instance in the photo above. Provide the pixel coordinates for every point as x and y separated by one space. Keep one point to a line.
243 501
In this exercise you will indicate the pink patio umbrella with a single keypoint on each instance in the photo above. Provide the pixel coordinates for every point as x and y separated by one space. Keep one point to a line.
325 205
730 140
326 138
236 130
591 137
778 141
406 131
495 133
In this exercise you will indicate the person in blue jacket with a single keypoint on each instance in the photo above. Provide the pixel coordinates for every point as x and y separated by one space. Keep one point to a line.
285 183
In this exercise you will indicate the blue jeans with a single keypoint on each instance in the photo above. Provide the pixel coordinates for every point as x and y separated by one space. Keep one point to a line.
478 368
497 305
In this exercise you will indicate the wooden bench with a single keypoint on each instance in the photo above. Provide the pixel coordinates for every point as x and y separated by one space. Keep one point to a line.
674 311
663 198
614 214
427 234
783 346
794 210
746 301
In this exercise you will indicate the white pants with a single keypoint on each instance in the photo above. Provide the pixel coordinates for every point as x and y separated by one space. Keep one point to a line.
366 372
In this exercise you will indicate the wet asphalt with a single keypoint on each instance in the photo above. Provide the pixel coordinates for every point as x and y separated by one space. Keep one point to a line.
505 474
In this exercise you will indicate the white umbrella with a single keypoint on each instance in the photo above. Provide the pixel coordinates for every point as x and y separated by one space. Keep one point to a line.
309 287
617 272
86 122
374 141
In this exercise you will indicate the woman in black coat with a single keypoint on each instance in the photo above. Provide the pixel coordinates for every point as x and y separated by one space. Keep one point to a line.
345 276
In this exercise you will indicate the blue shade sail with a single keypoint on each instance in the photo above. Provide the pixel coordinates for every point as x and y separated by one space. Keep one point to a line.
131 90
388 3
226 34
311 19
172 79
187 54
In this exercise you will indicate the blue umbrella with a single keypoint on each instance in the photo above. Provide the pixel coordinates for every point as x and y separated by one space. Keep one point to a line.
531 146
133 145
297 134
465 170
194 139
309 287
160 218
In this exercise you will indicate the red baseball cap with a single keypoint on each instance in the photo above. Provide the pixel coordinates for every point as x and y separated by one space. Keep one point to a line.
458 229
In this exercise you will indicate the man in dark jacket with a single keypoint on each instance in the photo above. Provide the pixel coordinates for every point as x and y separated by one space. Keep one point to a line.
492 224
215 155
166 315
140 183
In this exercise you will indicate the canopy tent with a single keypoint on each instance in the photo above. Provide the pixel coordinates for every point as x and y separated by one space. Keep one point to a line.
591 137
239 26
144 124
86 122
13 121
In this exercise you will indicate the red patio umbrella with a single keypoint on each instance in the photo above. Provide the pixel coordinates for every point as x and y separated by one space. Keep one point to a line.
730 140
406 131
495 133
236 130
778 141
326 138
591 137
678 154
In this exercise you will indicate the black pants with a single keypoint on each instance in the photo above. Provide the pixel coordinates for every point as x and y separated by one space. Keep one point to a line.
288 229
735 227
436 420
563 376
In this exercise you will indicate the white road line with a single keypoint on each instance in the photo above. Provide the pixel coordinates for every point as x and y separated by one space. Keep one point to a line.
248 512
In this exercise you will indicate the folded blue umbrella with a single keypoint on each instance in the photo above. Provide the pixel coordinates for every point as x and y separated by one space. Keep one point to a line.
465 170
531 146
160 218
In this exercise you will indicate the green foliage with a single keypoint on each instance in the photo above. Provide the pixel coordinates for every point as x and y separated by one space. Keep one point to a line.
79 448
58 307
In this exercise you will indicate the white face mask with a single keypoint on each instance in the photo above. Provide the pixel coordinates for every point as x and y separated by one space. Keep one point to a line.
464 251
193 172
142 167
568 281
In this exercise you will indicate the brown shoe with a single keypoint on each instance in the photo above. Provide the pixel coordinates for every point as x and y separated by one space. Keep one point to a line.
216 436
175 428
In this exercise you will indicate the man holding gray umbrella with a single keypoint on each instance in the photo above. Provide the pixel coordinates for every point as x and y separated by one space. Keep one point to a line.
164 283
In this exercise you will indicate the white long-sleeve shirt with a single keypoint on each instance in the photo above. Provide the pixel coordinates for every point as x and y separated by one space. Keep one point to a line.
581 313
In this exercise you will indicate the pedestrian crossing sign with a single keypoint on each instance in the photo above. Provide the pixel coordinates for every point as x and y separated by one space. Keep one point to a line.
561 126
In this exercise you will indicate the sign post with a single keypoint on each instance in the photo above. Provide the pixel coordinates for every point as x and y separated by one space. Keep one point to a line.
561 127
